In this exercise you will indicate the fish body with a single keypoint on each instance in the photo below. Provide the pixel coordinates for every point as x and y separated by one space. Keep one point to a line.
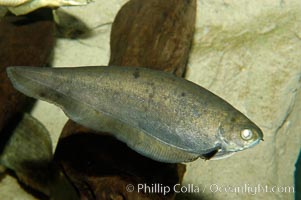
157 114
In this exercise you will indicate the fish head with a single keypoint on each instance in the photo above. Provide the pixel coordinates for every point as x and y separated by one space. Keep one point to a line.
237 133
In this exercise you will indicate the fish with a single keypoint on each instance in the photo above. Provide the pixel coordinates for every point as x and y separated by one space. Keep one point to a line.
161 116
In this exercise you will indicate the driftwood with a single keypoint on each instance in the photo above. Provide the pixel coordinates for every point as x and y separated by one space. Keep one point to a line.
155 34
24 41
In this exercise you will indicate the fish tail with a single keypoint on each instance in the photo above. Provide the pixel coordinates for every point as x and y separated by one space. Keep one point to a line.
39 83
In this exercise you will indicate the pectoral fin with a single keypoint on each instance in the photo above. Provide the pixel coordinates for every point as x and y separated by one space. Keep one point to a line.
221 154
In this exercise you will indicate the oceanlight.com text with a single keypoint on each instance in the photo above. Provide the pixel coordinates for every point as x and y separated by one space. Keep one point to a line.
212 188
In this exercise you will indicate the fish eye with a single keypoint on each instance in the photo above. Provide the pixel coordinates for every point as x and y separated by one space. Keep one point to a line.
246 134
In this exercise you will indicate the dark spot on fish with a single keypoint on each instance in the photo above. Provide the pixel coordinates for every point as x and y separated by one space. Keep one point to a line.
173 79
42 94
232 119
151 83
57 95
136 74
151 95
145 109
183 94
164 15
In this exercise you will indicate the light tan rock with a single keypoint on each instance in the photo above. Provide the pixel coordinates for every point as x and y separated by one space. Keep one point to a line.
248 52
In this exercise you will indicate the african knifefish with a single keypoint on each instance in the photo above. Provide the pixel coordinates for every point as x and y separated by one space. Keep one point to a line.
157 114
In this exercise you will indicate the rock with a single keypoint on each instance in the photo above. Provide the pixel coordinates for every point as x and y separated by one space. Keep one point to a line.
252 60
